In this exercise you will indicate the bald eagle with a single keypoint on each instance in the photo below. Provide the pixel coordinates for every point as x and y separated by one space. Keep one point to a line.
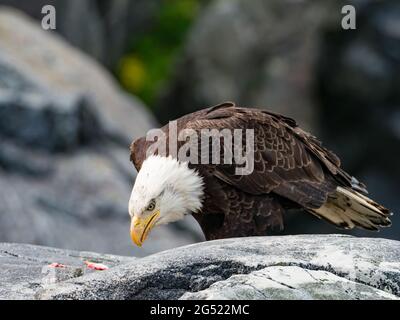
291 170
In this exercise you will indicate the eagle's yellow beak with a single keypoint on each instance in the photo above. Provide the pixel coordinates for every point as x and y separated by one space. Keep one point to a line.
140 227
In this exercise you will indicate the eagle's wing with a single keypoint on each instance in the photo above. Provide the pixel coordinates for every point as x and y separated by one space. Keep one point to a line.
293 164
287 160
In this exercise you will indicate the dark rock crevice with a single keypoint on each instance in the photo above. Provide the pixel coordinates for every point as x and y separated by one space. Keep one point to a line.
226 270
173 283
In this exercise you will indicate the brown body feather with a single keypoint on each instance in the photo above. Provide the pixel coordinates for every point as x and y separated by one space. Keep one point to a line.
291 170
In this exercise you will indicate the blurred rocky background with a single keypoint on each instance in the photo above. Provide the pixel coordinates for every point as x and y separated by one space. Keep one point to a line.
72 99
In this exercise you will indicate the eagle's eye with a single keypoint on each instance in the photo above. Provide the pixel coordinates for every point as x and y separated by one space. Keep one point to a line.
151 205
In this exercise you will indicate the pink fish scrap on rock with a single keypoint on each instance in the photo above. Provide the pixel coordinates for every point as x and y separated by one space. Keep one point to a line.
96 266
57 265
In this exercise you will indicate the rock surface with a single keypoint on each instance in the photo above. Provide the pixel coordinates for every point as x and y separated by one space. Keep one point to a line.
65 131
59 86
289 282
26 268
281 267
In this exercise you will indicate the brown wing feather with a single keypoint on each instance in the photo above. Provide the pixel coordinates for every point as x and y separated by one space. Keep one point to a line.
286 161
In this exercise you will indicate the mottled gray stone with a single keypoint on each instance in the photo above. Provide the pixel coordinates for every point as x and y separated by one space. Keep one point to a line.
24 268
289 282
53 91
288 267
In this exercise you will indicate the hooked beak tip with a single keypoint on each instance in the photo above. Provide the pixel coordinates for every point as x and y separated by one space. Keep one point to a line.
140 227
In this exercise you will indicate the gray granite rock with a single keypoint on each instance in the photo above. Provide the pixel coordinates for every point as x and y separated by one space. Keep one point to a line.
289 282
26 268
54 95
281 267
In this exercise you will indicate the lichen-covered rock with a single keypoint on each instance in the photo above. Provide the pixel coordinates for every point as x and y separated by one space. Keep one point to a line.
26 268
281 267
289 282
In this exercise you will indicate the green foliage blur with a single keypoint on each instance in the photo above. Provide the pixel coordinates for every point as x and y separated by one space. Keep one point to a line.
148 65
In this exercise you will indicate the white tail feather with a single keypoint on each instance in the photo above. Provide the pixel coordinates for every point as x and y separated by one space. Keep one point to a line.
347 208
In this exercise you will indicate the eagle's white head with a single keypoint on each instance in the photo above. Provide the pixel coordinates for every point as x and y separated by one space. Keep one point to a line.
165 191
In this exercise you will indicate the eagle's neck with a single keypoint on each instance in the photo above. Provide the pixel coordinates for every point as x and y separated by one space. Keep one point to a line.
184 184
